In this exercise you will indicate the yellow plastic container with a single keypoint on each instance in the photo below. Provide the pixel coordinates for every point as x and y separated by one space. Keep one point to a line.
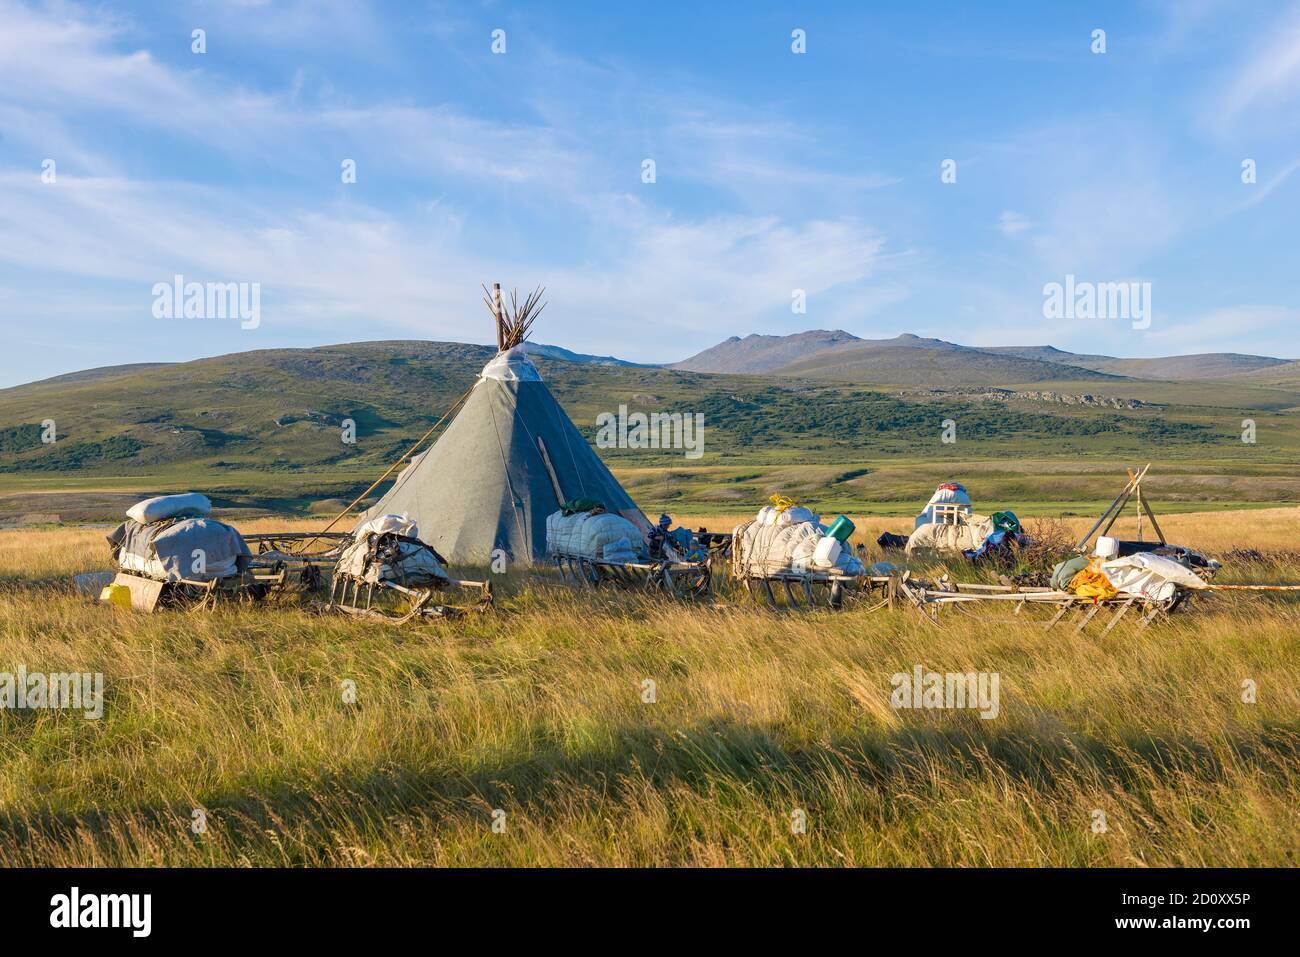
117 595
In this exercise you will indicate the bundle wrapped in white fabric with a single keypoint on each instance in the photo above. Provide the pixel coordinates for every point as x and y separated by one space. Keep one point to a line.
387 525
416 565
162 507
791 548
945 539
602 536
193 549
1150 576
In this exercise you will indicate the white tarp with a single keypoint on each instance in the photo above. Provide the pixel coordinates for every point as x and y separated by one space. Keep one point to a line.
1150 576
762 549
967 534
197 549
513 365
387 524
603 536
943 496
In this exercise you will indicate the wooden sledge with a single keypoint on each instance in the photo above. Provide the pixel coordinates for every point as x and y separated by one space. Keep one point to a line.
684 580
394 601
148 594
282 559
801 590
362 599
930 597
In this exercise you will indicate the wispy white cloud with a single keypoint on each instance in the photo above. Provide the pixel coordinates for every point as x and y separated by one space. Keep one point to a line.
349 270
1260 191
1220 330
1011 223
1265 80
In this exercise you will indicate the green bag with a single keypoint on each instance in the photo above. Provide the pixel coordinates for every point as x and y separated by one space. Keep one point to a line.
1005 522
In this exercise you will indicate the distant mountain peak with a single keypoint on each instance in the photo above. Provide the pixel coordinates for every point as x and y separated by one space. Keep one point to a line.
908 357
758 352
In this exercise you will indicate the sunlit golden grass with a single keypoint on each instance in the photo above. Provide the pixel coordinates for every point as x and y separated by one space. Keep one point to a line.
537 710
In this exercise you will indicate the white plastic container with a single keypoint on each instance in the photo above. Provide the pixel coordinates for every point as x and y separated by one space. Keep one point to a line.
827 552
765 515
1107 547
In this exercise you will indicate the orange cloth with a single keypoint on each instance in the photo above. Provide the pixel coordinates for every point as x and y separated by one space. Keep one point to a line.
1091 582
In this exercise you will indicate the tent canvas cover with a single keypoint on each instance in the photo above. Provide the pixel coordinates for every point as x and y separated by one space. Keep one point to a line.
485 483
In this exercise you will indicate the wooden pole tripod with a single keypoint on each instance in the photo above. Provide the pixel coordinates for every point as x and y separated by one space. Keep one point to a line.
1116 508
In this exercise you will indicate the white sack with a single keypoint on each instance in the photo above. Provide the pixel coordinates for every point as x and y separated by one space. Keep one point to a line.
797 515
784 549
162 507
950 539
603 536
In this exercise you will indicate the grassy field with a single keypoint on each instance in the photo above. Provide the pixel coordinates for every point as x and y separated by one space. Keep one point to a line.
536 710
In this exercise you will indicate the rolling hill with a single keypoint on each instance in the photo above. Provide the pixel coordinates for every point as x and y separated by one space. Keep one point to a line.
912 360
558 352
281 410
1286 375
902 360
263 431
1208 365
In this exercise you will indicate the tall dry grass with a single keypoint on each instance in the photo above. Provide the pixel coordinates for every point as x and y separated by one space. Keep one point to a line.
537 710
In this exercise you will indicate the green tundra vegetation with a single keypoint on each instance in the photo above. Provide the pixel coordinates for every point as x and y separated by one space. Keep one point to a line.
262 431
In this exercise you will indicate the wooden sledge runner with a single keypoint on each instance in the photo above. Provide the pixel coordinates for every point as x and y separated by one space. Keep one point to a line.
807 589
800 590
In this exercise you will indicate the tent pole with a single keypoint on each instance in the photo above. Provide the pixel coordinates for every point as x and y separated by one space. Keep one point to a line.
496 312
550 471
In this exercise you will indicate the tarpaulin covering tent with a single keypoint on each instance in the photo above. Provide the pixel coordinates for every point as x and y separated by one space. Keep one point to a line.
509 459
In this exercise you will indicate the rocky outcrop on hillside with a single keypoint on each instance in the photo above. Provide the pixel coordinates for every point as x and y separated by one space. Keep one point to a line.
1009 395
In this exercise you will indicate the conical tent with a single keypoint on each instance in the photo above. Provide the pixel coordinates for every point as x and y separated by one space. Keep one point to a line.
507 460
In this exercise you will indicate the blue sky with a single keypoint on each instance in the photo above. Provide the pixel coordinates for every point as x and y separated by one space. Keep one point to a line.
775 171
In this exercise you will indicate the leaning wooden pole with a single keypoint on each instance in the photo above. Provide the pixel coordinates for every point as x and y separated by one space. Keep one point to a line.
1120 501
392 468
